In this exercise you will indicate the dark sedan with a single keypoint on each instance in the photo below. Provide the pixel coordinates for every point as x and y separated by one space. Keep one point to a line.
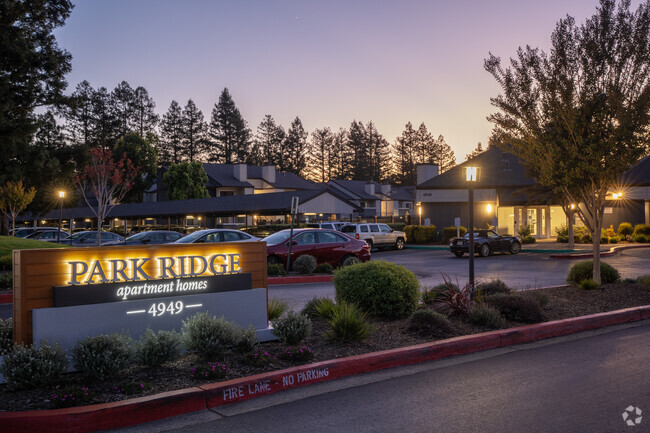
328 246
154 237
486 242
89 238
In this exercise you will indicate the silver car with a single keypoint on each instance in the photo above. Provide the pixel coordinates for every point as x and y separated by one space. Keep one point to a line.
216 235
377 235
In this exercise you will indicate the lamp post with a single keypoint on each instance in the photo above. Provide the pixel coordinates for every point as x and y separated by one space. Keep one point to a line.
61 197
420 213
471 176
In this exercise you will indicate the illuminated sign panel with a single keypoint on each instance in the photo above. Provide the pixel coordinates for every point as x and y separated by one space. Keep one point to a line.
471 174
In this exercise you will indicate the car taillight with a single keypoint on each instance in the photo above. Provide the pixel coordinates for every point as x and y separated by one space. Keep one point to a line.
356 236
366 247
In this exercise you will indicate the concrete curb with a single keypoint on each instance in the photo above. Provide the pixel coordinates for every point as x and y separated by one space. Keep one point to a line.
611 252
301 279
144 409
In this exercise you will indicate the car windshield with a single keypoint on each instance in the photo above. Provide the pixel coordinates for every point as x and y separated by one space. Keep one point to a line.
191 237
277 238
77 235
137 236
349 229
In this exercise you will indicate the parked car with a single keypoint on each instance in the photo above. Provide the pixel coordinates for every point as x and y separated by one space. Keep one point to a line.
48 235
154 237
216 235
328 246
23 232
486 242
89 238
334 225
376 235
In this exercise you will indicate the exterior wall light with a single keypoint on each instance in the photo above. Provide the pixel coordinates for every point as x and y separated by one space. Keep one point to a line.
489 208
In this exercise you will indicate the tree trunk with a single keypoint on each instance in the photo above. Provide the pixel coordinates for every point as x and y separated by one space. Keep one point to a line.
571 218
99 231
595 237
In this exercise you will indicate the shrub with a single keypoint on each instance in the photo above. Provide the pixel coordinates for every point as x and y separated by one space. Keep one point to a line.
562 233
485 315
397 226
516 307
540 297
259 359
349 323
639 238
625 229
613 240
493 287
453 300
71 395
103 356
429 323
210 371
292 329
628 280
588 284
379 288
324 268
32 366
644 280
349 261
305 264
642 229
525 231
296 354
604 240
209 336
424 235
276 269
584 271
450 232
277 308
246 339
610 232
409 231
319 307
6 262
154 349
528 240
6 336
133 387
429 296
6 281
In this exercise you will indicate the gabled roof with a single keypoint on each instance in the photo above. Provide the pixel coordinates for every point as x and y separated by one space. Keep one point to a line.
356 189
403 193
283 179
498 169
223 175
638 175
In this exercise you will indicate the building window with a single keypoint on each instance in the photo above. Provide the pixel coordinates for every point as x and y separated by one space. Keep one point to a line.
226 193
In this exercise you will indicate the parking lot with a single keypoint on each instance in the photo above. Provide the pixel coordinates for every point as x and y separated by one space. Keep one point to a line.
522 271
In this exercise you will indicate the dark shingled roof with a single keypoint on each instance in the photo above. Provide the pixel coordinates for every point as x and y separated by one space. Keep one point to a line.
638 175
358 188
498 169
283 179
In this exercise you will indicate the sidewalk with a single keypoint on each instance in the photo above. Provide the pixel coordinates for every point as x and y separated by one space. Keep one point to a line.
545 246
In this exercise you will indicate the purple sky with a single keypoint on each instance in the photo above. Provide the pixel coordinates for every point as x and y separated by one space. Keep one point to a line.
327 62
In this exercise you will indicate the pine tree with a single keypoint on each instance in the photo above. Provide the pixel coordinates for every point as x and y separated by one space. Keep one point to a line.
426 146
193 134
379 153
341 157
405 150
122 102
79 114
475 152
229 134
143 117
269 142
444 156
358 144
105 124
170 150
320 151
296 148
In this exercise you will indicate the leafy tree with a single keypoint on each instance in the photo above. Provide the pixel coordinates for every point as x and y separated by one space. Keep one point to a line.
269 142
170 149
144 156
186 180
577 117
296 148
14 198
193 133
143 117
122 103
105 180
32 71
229 133
477 151
320 150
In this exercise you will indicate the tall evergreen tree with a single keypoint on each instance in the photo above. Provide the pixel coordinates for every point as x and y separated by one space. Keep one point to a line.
193 135
405 150
341 157
122 103
426 146
143 117
295 160
170 148
477 151
269 142
379 153
79 114
358 144
443 155
320 155
105 125
230 137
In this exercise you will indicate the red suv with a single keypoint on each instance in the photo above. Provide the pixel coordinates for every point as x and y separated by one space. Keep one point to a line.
328 246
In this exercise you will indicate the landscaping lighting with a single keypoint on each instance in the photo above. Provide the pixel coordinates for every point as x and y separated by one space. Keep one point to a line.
61 197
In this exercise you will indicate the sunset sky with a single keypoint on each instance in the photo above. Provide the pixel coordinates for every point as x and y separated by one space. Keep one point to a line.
327 62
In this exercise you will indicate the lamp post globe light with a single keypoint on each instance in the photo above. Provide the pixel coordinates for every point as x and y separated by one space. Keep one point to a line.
61 197
471 176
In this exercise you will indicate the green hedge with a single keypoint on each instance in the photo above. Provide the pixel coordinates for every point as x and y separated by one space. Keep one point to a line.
397 226
420 234
451 232
642 229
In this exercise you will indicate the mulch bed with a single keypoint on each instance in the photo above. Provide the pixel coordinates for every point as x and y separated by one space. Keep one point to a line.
565 302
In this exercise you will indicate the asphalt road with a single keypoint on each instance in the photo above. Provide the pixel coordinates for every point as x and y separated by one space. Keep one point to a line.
522 271
580 383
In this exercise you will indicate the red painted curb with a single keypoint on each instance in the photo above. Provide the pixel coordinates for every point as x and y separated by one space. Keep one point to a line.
7 298
144 409
107 415
298 280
